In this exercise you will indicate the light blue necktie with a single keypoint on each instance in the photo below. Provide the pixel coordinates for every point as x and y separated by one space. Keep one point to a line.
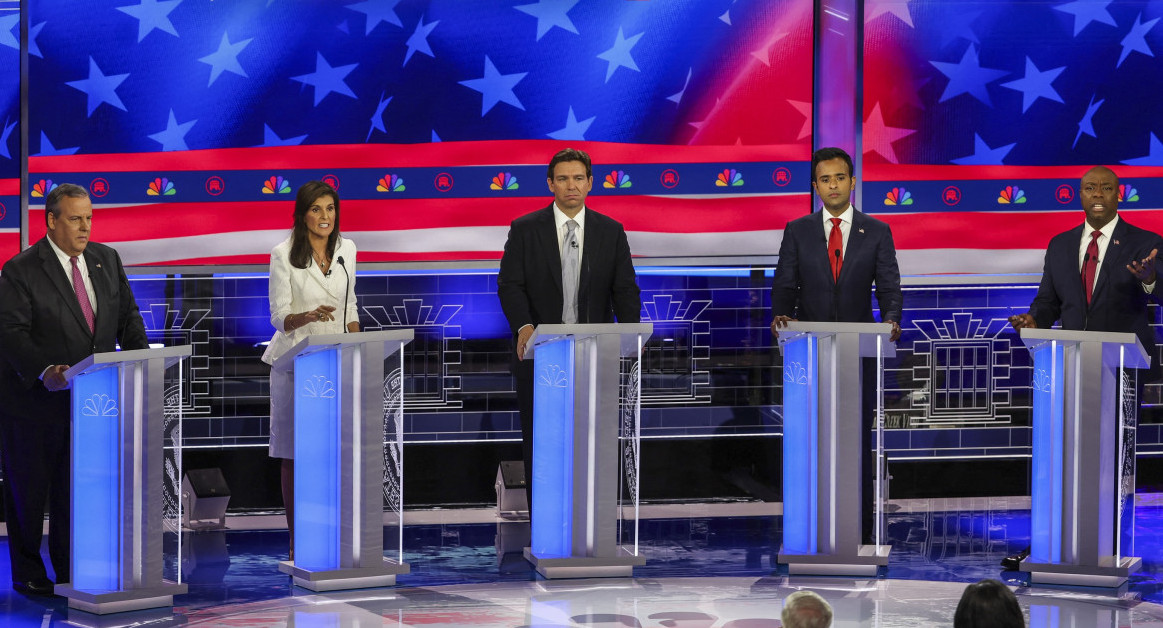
570 258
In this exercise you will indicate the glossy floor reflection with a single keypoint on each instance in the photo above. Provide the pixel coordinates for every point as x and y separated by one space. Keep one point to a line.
707 568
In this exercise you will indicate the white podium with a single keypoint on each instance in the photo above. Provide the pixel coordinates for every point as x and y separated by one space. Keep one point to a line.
584 515
822 409
344 408
117 480
1082 492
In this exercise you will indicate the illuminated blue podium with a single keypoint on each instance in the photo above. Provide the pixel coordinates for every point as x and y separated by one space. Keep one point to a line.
118 477
345 409
1082 482
584 515
822 408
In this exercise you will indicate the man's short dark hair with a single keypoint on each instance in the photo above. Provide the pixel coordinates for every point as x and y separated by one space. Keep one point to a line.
988 603
52 202
570 154
828 154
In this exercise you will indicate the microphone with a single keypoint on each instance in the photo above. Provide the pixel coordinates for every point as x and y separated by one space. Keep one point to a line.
345 291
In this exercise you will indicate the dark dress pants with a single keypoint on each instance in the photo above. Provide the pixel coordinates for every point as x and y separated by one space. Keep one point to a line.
35 459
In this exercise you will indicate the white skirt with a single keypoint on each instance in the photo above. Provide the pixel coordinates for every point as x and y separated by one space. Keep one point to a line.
282 414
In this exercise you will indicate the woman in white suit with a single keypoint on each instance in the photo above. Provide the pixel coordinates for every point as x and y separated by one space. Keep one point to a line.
312 291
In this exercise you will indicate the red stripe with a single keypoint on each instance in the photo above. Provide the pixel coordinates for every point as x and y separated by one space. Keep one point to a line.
9 245
364 257
437 155
636 213
996 230
903 172
9 187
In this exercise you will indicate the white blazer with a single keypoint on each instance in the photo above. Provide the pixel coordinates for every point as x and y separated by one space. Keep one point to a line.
296 290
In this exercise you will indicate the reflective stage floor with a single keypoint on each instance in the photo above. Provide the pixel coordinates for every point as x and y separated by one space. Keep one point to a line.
707 565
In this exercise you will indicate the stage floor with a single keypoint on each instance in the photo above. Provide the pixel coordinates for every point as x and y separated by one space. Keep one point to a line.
707 565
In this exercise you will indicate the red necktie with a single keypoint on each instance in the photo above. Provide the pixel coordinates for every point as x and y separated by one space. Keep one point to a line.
82 294
836 248
1090 265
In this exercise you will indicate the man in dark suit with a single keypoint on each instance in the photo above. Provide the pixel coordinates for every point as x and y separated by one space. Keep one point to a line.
1099 276
829 262
534 289
61 300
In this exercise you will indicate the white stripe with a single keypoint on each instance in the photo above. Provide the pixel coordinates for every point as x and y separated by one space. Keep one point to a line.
970 261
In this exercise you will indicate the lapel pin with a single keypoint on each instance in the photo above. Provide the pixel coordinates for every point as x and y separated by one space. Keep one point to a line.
861 230
98 266
1116 241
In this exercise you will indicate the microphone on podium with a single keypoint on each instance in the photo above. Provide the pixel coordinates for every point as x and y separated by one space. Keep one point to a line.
345 291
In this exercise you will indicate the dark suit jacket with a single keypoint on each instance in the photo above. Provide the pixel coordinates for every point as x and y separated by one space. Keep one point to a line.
529 282
803 287
41 324
1118 302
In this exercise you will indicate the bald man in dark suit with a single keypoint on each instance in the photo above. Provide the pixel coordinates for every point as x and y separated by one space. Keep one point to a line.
61 300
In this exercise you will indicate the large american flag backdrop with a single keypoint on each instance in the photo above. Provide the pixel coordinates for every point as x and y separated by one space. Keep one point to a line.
981 117
193 122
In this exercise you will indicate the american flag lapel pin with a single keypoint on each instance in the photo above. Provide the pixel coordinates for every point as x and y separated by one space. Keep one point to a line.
1116 241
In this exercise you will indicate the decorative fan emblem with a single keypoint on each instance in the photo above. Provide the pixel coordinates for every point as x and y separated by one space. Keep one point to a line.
320 387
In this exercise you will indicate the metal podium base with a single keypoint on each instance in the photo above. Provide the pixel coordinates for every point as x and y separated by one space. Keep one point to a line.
1080 575
584 566
866 562
349 578
105 602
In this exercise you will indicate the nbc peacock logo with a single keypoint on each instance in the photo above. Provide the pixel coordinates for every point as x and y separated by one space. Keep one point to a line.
390 183
1128 193
898 196
617 179
729 177
504 181
161 186
1011 194
276 185
41 188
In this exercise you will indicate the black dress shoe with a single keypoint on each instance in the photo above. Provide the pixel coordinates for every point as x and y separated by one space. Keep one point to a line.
1014 563
38 586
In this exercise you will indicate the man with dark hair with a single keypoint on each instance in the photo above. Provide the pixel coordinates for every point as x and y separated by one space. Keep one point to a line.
1099 276
61 300
806 609
829 262
565 263
988 604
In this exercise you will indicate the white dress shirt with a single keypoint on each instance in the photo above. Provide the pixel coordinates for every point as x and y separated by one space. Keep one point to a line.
1104 240
67 265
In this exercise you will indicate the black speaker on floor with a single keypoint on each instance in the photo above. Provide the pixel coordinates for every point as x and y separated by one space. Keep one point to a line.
205 497
512 502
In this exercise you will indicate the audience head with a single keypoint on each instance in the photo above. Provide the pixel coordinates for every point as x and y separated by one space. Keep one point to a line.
988 604
806 609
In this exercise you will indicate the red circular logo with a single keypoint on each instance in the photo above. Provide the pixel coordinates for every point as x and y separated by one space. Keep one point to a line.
99 187
215 186
951 195
443 182
1064 194
669 178
3 211
781 176
331 180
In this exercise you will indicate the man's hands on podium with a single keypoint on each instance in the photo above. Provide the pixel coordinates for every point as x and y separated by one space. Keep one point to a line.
1144 270
523 336
1023 321
781 321
54 377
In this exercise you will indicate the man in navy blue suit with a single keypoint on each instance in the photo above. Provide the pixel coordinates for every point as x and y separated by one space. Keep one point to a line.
829 262
1099 276
1120 258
